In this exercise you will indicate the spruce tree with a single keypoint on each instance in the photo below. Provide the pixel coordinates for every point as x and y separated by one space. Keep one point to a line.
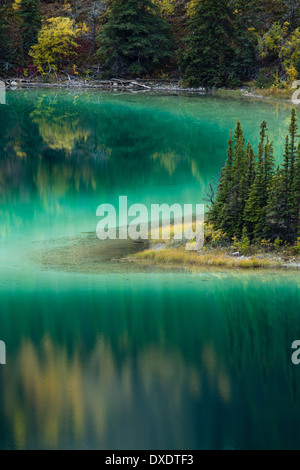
292 200
31 23
250 172
288 170
293 128
4 40
219 214
248 18
234 186
239 184
209 53
276 208
135 40
253 213
253 199
296 193
261 227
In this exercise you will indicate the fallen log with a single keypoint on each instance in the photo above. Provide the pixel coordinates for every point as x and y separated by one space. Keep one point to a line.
141 85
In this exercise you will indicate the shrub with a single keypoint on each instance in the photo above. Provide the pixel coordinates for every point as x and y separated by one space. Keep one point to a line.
57 43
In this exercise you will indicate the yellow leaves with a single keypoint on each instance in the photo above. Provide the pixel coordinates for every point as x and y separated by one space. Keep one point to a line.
82 29
276 83
285 28
67 7
59 131
277 42
290 53
191 7
297 246
252 32
292 73
166 7
16 5
56 42
19 152
270 43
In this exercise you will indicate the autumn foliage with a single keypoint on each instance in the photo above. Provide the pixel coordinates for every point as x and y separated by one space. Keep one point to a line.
57 43
204 42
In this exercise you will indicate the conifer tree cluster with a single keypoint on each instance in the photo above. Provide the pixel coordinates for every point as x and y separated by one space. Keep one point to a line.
255 198
219 48
206 43
4 40
30 23
135 40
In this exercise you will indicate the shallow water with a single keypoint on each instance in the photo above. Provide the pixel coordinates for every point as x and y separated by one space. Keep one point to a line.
104 354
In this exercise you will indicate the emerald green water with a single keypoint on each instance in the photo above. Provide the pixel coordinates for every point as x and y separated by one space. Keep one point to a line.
102 354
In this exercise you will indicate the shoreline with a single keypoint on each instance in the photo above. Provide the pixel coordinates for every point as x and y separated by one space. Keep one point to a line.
179 257
152 86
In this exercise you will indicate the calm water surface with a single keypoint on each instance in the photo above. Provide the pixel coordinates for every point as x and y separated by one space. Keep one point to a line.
102 354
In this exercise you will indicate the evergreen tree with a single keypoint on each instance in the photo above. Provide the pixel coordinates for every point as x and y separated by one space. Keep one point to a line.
247 18
296 195
288 170
292 148
261 228
249 180
250 172
239 184
286 194
234 186
245 241
254 201
31 23
292 200
276 208
219 214
4 40
253 214
208 58
134 41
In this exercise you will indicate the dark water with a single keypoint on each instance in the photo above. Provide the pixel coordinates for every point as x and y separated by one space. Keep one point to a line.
103 354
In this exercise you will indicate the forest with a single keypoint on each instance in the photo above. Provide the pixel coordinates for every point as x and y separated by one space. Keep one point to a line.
203 43
258 203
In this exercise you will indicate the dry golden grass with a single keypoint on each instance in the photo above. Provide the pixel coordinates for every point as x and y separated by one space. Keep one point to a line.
274 93
282 94
191 258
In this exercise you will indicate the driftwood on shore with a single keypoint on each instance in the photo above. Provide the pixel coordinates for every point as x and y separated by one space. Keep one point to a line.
67 81
70 81
115 82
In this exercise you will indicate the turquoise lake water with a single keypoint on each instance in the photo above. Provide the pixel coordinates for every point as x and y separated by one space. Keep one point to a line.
109 355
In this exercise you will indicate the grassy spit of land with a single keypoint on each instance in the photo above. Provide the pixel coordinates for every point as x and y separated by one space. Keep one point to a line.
250 91
178 256
218 258
216 253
